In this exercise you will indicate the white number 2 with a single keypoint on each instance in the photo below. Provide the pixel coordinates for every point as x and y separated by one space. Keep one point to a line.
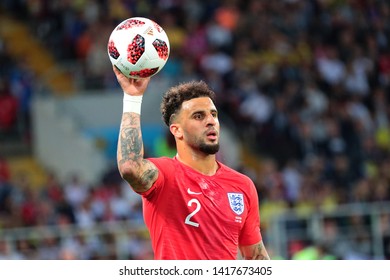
187 221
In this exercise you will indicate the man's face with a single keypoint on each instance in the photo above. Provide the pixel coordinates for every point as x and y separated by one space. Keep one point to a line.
199 124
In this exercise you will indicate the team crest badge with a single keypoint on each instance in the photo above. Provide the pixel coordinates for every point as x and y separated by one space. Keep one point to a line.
236 201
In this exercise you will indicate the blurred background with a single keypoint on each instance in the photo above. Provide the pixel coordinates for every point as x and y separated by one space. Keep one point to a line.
303 95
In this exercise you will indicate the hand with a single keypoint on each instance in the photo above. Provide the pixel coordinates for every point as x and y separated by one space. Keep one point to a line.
130 86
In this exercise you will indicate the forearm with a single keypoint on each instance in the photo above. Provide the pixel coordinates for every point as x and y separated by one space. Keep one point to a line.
130 157
255 252
130 145
140 173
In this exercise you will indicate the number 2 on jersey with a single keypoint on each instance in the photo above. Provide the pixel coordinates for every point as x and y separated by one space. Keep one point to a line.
187 220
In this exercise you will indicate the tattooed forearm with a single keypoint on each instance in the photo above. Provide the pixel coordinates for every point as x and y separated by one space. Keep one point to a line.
261 252
255 252
130 139
131 146
140 173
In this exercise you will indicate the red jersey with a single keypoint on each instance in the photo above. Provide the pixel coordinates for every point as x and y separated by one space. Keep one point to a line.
194 216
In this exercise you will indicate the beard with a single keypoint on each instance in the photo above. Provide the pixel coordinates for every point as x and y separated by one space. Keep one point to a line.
209 149
200 144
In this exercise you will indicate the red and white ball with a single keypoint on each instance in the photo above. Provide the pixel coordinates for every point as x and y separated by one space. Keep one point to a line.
138 47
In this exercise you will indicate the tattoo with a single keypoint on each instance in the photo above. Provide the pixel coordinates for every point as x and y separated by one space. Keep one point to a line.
130 141
149 174
261 252
130 154
255 252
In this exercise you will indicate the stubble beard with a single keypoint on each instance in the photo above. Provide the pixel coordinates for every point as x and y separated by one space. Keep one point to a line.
200 144
209 149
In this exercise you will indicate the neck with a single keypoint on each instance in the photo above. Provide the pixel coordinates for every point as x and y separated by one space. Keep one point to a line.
205 164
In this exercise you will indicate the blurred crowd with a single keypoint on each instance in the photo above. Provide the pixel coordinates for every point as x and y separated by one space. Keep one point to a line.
55 208
305 83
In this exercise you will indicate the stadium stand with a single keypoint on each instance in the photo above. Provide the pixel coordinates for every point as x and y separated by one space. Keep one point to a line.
303 84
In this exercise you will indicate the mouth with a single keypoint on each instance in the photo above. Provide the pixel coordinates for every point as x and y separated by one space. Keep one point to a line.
212 135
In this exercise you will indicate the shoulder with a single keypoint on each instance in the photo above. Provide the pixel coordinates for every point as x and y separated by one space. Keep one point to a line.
232 173
243 182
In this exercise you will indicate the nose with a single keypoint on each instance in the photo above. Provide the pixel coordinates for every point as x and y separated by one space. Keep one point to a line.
211 119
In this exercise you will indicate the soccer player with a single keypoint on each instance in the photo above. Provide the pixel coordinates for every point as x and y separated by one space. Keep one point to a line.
194 206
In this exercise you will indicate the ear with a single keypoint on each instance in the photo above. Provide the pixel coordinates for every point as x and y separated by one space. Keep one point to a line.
176 130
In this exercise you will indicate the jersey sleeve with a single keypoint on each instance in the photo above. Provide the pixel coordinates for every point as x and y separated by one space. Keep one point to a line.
250 233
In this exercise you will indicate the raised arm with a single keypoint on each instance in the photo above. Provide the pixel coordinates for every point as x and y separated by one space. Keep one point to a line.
254 252
137 171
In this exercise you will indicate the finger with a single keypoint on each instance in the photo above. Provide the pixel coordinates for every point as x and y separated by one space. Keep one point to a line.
117 71
143 80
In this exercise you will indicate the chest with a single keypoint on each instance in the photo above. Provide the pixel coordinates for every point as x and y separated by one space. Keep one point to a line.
202 202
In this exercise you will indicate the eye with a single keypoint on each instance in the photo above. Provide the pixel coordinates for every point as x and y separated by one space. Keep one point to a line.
214 114
198 116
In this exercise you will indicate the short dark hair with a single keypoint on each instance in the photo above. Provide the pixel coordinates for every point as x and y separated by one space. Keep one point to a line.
175 96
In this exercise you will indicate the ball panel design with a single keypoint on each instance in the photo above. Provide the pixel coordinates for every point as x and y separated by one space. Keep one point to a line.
130 23
161 48
136 49
144 73
112 50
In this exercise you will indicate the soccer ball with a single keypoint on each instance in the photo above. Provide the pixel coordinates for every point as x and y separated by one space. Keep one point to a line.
138 47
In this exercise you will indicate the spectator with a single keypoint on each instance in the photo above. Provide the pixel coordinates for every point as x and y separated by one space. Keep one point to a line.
9 110
75 191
